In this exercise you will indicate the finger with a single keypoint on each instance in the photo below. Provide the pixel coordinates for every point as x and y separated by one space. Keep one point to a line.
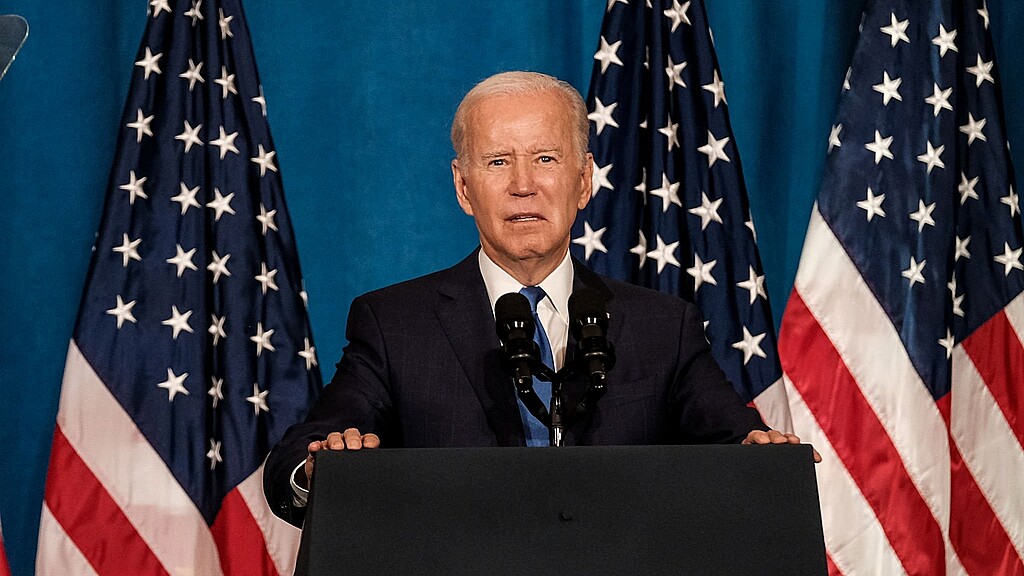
353 439
817 457
777 437
757 437
313 446
335 441
371 441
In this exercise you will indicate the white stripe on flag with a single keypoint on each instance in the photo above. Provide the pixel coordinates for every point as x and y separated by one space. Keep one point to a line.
988 445
282 539
1015 313
110 443
57 554
853 536
859 329
774 407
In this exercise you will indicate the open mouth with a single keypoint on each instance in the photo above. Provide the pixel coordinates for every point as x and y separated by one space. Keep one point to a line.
525 217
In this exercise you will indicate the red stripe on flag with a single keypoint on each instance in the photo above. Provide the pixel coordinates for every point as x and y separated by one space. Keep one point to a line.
91 518
5 569
977 535
860 440
239 539
996 353
833 570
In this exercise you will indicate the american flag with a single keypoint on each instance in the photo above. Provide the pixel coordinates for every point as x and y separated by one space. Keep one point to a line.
902 339
192 350
5 570
669 208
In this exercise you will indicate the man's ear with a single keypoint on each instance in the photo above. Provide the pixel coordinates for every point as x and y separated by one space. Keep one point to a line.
459 179
586 179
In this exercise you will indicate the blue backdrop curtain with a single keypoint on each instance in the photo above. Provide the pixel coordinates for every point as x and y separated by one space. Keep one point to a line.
360 96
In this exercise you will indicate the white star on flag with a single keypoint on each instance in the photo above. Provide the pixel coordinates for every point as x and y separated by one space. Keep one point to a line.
603 115
308 353
134 187
128 250
220 204
193 74
266 219
266 278
187 198
141 125
219 266
715 149
607 54
262 339
182 260
914 272
701 272
174 385
669 193
258 399
226 142
880 147
872 205
265 160
664 254
750 345
708 210
599 179
214 454
178 322
226 82
123 311
216 328
150 64
591 241
897 30
190 136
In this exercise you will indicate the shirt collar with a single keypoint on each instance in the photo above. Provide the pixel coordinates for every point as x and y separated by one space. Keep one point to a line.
557 285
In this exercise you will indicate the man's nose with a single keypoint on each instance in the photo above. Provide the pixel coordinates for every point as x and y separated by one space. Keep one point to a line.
522 179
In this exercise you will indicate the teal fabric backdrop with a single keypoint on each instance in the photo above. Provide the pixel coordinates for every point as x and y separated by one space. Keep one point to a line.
360 95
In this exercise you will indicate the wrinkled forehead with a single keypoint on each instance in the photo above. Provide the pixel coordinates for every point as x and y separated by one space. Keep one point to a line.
537 118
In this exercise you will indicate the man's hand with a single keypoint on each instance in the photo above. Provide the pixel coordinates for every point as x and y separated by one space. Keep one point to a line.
350 439
774 437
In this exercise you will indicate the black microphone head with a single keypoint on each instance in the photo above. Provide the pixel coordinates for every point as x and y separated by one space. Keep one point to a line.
587 308
512 312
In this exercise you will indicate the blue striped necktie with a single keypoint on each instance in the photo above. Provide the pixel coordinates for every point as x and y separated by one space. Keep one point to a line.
536 432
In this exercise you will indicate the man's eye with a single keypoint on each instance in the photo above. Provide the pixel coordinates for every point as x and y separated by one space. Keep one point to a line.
547 159
496 162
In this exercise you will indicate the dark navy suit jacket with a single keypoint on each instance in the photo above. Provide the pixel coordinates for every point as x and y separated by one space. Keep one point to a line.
422 369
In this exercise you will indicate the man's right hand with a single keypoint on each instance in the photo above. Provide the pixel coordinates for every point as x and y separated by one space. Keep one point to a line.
350 439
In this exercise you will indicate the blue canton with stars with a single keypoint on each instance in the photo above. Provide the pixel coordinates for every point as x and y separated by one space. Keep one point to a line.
193 312
919 186
670 210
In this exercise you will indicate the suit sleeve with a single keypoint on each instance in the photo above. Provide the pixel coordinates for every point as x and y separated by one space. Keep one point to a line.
706 407
357 397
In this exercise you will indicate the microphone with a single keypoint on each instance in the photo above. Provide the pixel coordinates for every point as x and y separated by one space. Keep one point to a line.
515 327
595 356
13 32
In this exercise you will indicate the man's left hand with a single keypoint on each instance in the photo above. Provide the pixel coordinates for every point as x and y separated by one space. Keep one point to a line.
775 437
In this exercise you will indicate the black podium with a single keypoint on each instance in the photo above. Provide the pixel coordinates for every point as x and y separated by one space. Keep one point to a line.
653 510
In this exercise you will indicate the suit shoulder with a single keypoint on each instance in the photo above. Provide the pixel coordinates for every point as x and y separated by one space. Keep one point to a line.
640 297
416 289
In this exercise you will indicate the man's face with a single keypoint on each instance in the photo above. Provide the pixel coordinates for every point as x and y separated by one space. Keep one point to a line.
521 178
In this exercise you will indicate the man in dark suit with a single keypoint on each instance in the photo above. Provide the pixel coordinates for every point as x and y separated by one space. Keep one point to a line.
422 367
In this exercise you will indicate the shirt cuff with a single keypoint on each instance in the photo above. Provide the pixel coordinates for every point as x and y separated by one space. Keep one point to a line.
299 494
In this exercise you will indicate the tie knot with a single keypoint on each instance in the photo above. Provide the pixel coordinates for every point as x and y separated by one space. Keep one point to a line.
534 294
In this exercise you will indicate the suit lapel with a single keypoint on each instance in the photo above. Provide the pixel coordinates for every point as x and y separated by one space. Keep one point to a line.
464 311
